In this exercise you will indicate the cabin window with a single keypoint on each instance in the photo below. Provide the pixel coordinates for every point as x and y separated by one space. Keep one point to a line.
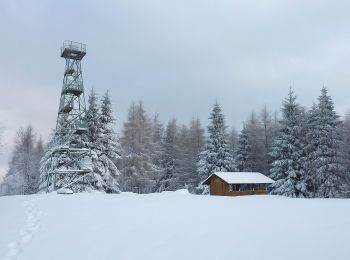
234 187
260 186
246 187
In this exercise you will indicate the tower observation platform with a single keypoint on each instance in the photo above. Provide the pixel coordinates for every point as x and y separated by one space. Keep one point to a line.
73 50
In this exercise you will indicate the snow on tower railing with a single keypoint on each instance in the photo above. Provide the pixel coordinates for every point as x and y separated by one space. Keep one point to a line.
73 50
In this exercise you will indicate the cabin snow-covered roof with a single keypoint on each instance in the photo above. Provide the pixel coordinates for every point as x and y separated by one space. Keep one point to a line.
240 178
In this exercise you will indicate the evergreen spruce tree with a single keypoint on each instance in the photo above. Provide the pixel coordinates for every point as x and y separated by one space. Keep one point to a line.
195 145
103 143
157 146
170 162
137 167
183 155
310 160
46 162
93 119
288 152
267 138
250 152
108 148
233 142
23 176
346 151
216 156
256 144
325 145
243 150
39 152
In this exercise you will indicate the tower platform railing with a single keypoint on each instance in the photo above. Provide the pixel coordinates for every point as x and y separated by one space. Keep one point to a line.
73 50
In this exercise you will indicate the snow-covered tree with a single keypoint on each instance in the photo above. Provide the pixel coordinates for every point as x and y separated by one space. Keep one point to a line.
137 167
103 144
108 149
216 156
39 152
250 151
94 142
268 131
170 163
243 151
346 150
156 151
324 149
255 138
92 119
46 161
1 142
309 162
23 175
195 145
181 146
288 152
233 141
184 158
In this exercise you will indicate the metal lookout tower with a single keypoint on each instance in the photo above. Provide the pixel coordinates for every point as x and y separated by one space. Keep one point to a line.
71 159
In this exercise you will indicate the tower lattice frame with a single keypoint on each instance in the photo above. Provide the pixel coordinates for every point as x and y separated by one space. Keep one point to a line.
71 158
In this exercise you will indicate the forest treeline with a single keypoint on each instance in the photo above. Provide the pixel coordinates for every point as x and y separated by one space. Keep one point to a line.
306 151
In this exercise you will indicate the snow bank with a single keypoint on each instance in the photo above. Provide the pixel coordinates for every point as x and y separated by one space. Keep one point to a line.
65 191
183 191
164 226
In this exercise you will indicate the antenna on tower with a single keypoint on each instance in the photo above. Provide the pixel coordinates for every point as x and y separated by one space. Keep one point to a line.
71 162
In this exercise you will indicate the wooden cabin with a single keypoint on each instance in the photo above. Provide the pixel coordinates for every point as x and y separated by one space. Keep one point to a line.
238 183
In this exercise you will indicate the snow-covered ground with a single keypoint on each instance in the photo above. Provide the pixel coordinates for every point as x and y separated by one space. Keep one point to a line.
172 226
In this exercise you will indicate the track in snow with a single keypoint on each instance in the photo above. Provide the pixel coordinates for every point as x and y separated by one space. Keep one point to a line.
26 233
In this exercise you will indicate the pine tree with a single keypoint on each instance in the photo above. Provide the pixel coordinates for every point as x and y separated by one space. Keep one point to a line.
288 152
183 156
195 145
157 132
93 119
309 162
233 142
103 143
256 144
22 176
108 148
250 151
137 166
268 136
39 152
46 162
1 141
104 146
325 145
216 156
346 150
243 151
170 162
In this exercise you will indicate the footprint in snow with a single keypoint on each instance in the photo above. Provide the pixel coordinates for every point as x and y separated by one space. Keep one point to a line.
26 233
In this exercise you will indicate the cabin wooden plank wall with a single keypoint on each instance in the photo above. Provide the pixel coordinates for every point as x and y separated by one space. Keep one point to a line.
219 187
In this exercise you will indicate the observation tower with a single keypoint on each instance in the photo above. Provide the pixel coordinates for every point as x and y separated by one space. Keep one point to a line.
70 157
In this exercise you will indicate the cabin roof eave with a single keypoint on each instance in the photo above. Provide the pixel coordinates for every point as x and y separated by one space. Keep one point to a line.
239 178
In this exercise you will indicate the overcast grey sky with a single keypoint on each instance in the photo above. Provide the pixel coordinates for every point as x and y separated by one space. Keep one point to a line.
179 56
